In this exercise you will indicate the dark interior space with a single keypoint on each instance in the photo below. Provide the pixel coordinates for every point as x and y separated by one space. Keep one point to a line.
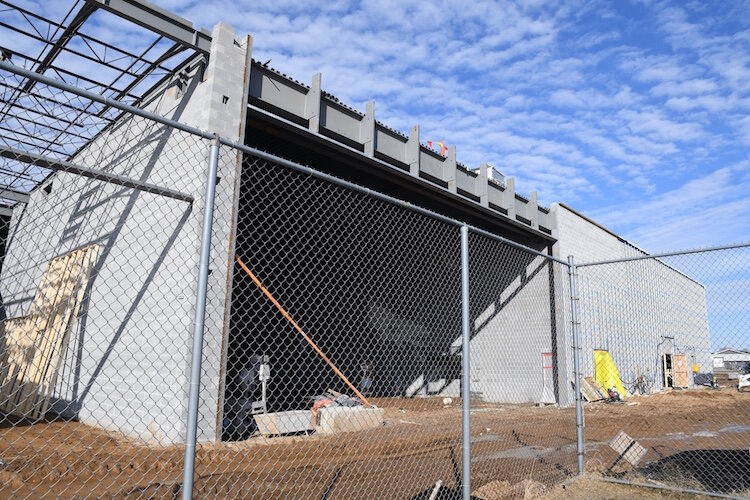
372 284
376 286
4 227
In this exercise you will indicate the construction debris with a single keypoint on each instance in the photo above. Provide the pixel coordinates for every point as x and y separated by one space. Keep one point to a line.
627 448
34 345
333 399
340 419
591 390
334 414
284 422
606 372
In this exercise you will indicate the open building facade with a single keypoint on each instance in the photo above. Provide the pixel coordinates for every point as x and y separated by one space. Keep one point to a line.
375 285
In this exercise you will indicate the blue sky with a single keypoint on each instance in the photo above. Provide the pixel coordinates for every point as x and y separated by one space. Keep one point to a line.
634 112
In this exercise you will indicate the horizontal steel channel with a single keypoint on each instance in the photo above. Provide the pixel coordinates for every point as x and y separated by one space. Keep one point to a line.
66 166
389 166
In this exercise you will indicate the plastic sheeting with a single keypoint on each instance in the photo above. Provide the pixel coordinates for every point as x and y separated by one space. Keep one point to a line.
606 372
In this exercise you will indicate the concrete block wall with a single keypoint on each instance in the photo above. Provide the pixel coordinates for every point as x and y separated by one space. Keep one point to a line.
512 328
633 308
127 364
227 79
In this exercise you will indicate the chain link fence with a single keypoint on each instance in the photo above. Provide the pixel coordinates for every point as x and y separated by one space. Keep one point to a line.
186 315
670 335
98 293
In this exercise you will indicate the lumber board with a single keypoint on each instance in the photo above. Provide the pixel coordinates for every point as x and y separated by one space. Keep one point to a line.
591 390
34 345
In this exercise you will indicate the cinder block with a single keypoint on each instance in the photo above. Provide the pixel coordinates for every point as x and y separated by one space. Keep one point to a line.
284 422
341 419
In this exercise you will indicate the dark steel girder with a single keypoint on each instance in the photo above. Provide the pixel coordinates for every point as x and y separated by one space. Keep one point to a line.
69 32
159 21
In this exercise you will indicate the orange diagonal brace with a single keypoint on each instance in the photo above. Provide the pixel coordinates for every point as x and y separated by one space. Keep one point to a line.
297 327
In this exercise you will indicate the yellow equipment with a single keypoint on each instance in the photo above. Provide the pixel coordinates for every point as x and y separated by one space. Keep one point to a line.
606 373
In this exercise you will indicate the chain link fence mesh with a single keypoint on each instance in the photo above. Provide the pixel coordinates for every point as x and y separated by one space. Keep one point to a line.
671 336
375 288
523 442
331 360
98 297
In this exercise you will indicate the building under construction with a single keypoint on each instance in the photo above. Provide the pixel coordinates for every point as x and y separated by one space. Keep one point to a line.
375 285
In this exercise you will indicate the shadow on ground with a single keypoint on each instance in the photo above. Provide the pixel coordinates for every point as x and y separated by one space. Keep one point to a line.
721 471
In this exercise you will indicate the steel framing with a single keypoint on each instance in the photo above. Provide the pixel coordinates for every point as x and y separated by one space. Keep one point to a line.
55 128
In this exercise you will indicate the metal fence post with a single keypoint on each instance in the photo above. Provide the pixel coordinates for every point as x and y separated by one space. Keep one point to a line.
200 315
576 360
465 358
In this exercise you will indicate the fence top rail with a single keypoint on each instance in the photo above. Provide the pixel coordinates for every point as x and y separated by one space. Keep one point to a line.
32 75
12 68
731 246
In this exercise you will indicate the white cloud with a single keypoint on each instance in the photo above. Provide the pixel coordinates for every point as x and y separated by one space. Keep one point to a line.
581 101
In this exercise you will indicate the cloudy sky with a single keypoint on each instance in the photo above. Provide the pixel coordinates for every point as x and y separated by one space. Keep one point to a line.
633 112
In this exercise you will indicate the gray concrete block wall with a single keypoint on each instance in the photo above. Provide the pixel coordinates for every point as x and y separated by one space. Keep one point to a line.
630 308
510 336
127 364
513 323
227 80
130 335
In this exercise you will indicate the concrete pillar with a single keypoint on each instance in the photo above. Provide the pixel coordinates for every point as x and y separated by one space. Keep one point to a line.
449 169
411 153
226 89
533 207
367 130
312 103
482 186
509 198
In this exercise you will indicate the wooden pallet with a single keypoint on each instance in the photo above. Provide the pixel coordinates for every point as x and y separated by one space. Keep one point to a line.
591 390
32 347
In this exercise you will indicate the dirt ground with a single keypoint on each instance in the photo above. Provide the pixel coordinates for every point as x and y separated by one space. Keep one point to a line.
591 488
696 439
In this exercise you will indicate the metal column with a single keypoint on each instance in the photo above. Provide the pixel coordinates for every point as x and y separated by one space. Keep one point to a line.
465 358
200 316
576 360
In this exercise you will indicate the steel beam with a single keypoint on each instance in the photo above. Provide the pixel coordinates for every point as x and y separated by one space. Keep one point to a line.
8 193
65 37
159 21
66 166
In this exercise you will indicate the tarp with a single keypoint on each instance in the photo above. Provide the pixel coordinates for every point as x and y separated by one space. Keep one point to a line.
606 372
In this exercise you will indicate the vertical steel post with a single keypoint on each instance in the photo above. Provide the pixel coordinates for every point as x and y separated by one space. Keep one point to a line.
576 360
465 358
200 316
